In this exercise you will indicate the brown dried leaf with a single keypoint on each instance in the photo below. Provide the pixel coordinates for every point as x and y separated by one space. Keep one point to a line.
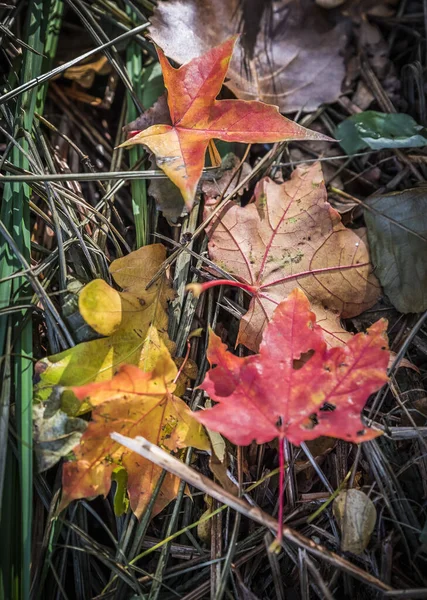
224 175
85 74
158 113
291 237
356 516
294 60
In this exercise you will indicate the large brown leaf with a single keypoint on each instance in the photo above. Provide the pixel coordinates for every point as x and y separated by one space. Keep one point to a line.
290 57
291 237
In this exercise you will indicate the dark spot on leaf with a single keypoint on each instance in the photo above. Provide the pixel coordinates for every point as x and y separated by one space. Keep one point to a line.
327 407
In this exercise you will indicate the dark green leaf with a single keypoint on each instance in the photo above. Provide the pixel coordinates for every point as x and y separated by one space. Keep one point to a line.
377 130
397 233
152 85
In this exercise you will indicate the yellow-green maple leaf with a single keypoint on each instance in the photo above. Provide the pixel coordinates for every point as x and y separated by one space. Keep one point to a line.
123 317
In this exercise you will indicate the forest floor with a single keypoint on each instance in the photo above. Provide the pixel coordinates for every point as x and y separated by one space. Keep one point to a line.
70 208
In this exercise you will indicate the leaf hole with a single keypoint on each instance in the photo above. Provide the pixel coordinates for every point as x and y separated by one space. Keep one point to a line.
302 360
311 422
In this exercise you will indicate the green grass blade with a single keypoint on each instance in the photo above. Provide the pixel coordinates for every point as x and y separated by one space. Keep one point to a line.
134 65
16 517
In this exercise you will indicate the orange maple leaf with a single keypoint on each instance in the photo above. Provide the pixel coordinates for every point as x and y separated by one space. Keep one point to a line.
197 117
134 403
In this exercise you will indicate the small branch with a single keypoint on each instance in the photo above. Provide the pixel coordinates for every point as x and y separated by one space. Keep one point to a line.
199 288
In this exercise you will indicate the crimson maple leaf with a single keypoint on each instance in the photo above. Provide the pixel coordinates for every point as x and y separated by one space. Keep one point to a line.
197 117
265 396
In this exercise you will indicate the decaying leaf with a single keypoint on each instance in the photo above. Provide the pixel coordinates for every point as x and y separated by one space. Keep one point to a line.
291 237
85 74
157 113
223 177
197 117
170 201
124 317
204 528
356 516
397 232
305 472
291 58
134 403
264 396
55 434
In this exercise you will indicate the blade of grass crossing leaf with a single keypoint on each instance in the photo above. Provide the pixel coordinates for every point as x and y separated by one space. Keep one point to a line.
139 188
17 509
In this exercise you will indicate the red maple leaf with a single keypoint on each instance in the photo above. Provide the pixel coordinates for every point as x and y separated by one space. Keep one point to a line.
265 396
197 117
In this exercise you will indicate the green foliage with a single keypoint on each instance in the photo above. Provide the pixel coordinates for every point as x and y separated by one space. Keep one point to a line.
378 130
397 233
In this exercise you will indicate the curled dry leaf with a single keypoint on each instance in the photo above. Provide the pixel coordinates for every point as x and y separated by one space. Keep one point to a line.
289 55
85 74
356 516
265 396
197 117
135 403
123 317
291 237
156 114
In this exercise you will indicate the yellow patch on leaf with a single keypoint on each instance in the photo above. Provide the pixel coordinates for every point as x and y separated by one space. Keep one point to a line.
124 317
